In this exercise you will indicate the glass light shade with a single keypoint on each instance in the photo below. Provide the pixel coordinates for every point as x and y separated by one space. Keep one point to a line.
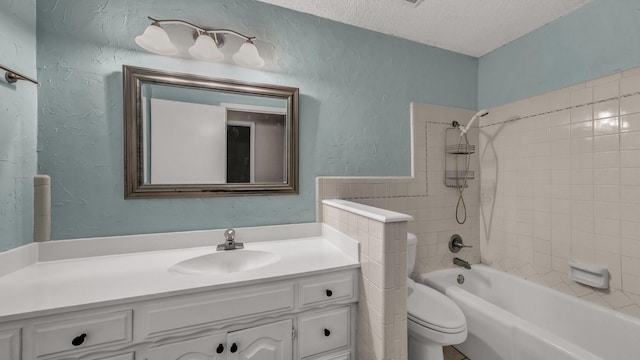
205 48
156 40
248 55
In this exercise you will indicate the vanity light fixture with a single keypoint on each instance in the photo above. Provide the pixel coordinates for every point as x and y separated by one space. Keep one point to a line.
206 47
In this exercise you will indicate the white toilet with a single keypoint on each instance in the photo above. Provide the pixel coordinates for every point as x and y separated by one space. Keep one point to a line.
433 320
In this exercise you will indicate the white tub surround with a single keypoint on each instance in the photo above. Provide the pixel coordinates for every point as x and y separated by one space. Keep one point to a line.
540 323
382 305
561 182
127 303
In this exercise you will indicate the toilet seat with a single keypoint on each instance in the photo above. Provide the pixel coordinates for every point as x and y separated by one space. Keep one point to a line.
431 309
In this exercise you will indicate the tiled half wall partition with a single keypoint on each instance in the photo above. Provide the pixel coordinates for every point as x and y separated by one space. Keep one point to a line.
560 181
382 305
424 195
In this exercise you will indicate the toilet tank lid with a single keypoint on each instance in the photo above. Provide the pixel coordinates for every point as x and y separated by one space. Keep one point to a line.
411 239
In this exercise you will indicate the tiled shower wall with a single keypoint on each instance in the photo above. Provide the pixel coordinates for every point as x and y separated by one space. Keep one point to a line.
424 195
561 181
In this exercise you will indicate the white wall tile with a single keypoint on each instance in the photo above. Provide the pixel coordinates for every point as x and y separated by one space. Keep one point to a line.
606 126
607 159
606 143
629 211
630 194
606 90
630 140
630 158
630 105
582 128
630 176
629 85
582 144
581 96
608 176
572 193
606 193
607 209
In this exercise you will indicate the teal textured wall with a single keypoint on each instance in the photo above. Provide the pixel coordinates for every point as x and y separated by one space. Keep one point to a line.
18 123
355 89
599 38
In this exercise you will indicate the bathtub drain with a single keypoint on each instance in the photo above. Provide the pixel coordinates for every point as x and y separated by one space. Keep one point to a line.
460 279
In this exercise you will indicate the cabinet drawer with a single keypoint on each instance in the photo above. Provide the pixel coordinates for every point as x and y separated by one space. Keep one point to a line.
82 333
324 331
10 344
218 306
326 288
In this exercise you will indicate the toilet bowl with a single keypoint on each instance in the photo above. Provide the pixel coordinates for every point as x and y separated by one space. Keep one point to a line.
433 320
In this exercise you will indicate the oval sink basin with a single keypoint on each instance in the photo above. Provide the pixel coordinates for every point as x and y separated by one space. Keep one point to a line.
225 262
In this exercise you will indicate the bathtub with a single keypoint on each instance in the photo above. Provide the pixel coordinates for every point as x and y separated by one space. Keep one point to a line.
509 318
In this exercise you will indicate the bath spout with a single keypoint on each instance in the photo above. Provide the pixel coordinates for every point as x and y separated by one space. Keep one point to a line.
462 263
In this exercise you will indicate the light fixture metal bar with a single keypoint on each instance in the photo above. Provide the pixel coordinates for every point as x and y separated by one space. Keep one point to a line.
198 28
231 32
12 76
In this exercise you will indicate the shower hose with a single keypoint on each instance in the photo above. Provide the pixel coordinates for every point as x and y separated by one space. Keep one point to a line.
462 218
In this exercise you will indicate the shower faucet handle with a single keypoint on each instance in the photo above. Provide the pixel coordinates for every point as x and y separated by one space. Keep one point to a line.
456 244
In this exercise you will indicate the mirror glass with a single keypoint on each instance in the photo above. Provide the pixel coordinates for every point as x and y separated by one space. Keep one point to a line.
187 135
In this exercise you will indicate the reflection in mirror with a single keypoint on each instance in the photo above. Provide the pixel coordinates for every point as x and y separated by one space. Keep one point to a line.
194 136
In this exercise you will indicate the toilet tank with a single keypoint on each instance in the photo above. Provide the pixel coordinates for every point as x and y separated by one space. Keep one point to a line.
412 244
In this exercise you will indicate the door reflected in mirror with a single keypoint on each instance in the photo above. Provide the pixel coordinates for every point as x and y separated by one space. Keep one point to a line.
256 148
193 136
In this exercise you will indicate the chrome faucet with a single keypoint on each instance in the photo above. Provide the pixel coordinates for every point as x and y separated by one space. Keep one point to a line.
230 241
462 263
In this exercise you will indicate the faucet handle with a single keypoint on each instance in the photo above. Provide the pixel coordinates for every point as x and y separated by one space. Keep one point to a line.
229 234
456 244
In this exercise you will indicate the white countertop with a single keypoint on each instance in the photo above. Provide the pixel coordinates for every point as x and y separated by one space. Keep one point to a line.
49 287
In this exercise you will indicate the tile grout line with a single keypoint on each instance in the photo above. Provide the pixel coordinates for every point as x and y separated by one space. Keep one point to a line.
516 118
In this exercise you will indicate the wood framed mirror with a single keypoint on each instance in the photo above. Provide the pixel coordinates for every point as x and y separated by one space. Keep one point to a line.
187 135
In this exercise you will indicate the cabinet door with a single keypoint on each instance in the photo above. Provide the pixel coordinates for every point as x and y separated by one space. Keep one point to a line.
127 356
266 342
210 347
10 344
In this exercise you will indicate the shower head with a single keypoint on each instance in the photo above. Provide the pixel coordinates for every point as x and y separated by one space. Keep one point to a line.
479 114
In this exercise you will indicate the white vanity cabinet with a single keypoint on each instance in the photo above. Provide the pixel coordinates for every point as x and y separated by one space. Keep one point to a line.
306 317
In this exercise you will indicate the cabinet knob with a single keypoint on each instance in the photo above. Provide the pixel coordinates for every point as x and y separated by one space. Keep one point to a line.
329 293
220 349
78 340
234 348
327 332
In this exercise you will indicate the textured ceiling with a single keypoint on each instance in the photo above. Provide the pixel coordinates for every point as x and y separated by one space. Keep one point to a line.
472 27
